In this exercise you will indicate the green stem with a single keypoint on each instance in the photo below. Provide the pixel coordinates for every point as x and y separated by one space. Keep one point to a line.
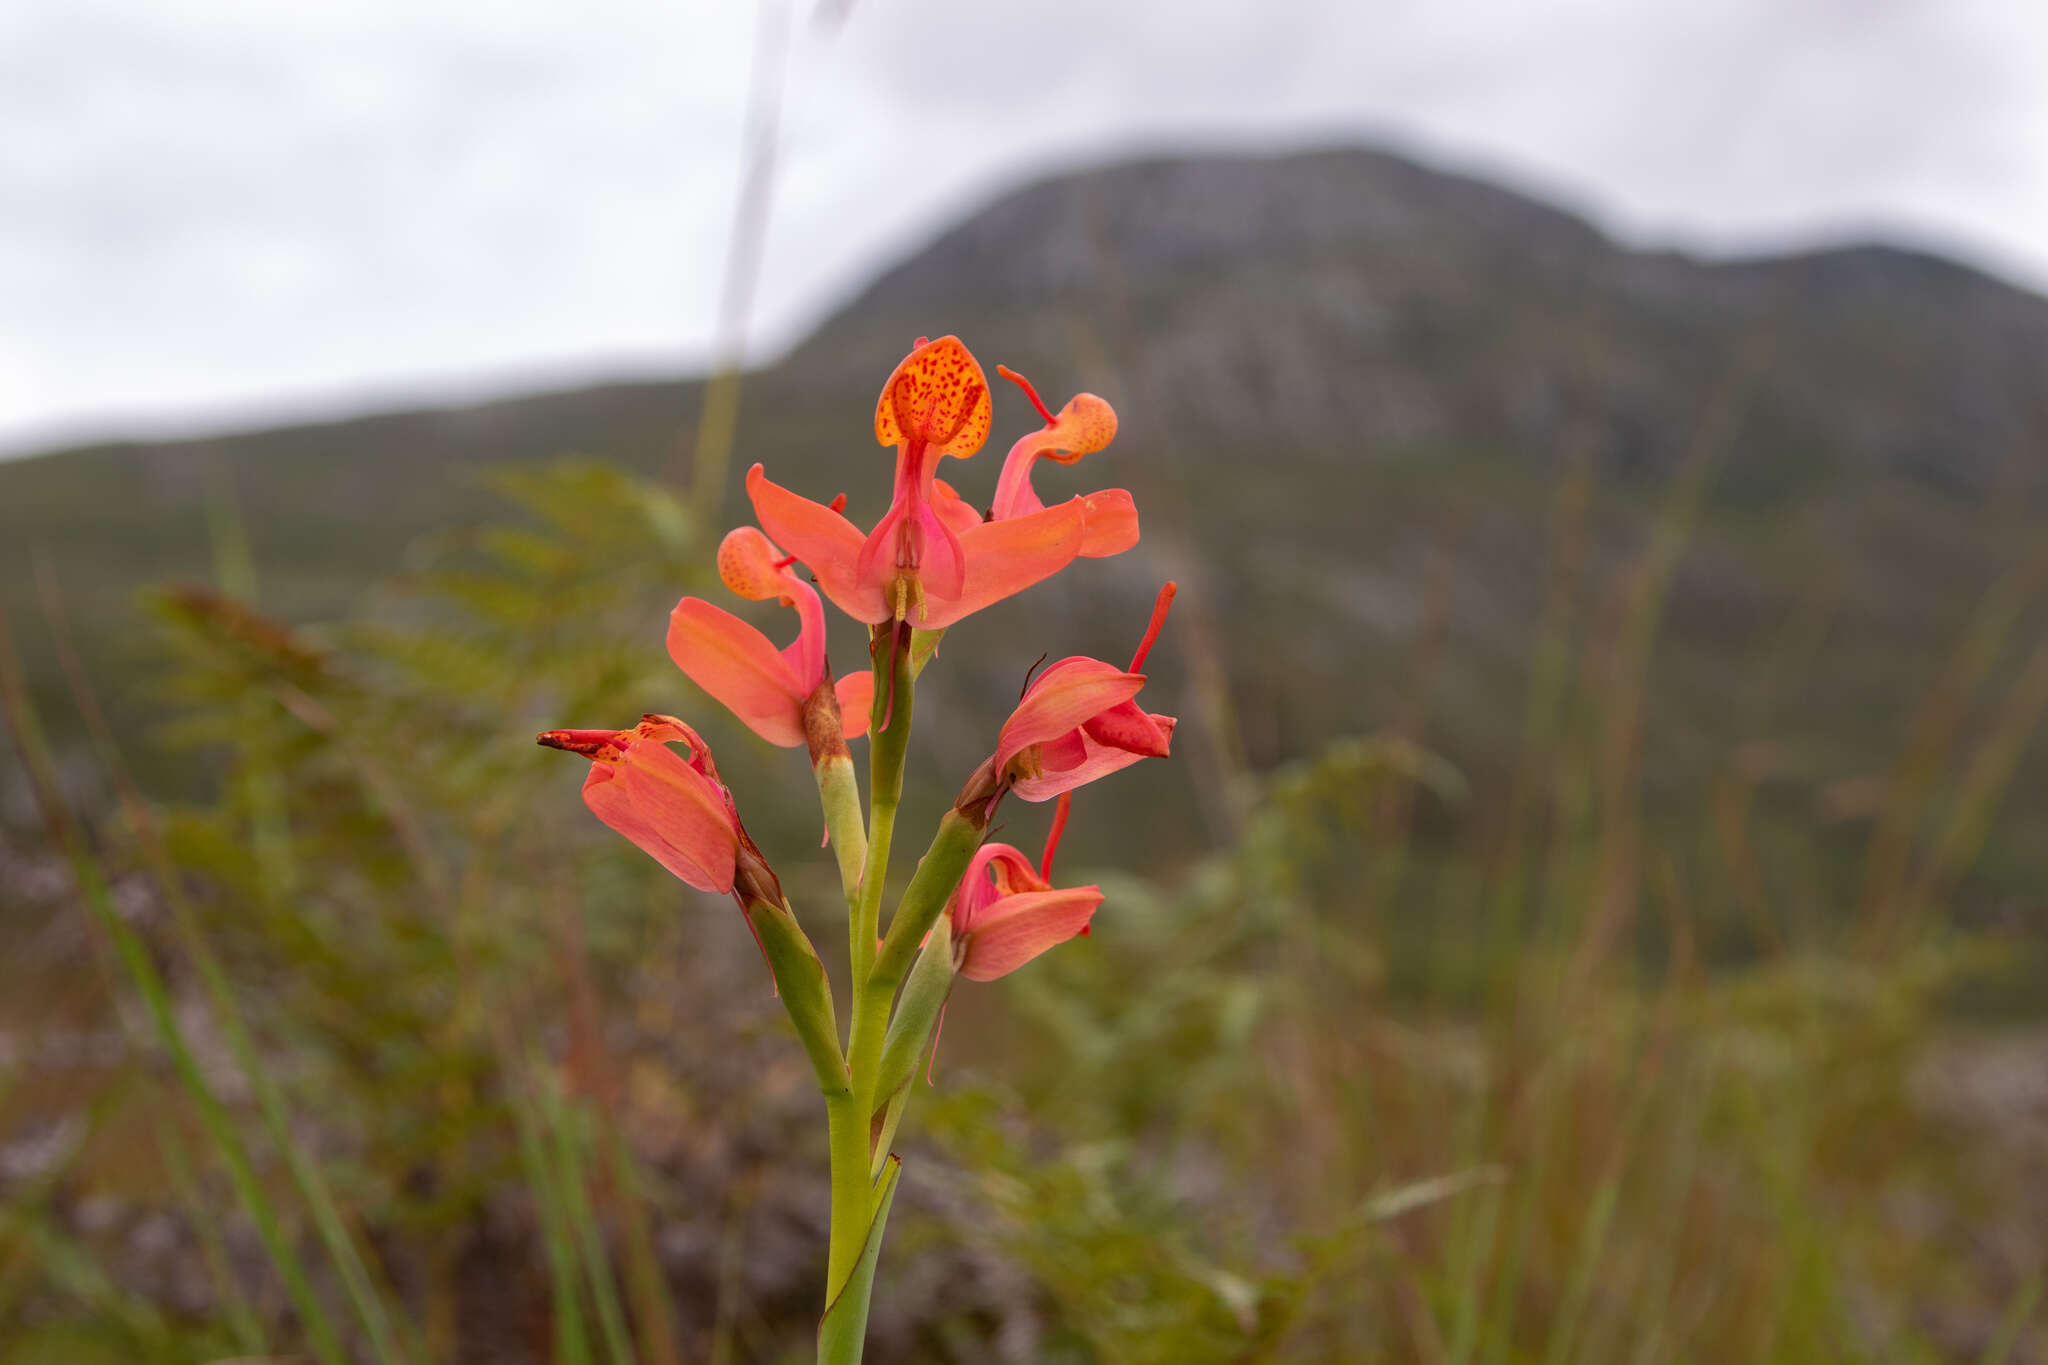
848 1112
852 1190
886 748
843 1332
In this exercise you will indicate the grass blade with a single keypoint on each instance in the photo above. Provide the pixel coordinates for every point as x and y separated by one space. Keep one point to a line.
142 973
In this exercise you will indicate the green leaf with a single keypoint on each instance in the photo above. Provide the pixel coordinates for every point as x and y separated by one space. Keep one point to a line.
843 1331
801 984
910 1032
924 644
924 900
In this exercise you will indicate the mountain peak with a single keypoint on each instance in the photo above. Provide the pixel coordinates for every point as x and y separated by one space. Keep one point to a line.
1165 216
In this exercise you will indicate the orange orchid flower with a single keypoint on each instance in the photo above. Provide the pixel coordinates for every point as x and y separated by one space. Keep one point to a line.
929 561
674 808
1007 912
1079 721
1085 425
765 687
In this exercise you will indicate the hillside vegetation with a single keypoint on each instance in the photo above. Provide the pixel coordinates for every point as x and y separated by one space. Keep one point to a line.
1594 911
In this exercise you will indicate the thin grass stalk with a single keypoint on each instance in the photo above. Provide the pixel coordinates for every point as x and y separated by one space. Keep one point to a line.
1985 778
1786 1156
718 419
243 1328
573 1182
731 1262
1532 1179
2018 1314
572 1345
1930 739
646 1286
1544 708
653 1310
47 1255
1688 1137
1594 1230
371 1310
1477 1232
1626 696
149 984
1395 802
78 1273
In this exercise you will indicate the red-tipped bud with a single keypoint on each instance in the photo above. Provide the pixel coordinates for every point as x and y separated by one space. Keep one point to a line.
674 808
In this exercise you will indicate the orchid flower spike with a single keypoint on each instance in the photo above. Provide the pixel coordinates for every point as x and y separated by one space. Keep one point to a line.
1078 721
765 687
674 808
929 561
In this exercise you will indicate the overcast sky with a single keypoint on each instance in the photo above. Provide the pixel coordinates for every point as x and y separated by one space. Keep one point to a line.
213 210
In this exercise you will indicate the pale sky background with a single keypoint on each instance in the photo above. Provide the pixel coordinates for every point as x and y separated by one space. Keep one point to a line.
214 212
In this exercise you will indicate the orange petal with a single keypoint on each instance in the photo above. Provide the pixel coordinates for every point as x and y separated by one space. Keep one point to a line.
1100 761
1085 425
737 665
1013 871
1017 928
1064 751
673 812
940 566
1005 557
1112 524
856 693
1126 726
1070 692
997 870
937 396
827 543
944 564
668 730
953 509
747 564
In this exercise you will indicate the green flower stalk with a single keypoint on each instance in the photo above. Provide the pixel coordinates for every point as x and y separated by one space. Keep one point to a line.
971 909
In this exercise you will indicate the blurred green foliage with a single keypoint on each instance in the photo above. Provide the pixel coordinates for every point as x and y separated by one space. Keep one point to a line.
1400 1068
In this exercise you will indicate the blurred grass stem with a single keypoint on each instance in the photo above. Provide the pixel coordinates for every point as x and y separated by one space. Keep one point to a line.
339 1243
718 418
142 972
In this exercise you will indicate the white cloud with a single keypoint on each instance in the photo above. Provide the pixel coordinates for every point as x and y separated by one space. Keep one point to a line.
212 207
